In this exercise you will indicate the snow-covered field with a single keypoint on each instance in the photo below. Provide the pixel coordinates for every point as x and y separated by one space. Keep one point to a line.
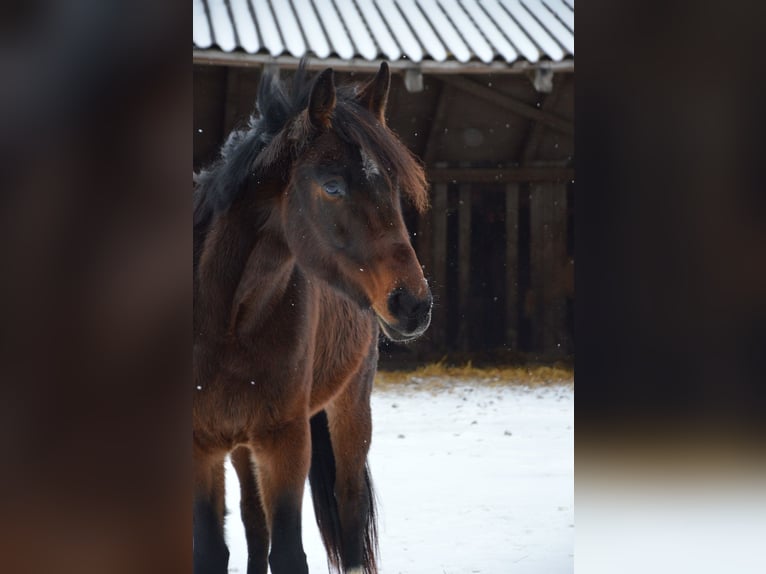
469 479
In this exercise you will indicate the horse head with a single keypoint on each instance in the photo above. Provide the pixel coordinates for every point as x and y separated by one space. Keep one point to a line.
341 209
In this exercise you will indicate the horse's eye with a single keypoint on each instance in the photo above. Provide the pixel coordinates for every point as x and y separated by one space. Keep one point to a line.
333 187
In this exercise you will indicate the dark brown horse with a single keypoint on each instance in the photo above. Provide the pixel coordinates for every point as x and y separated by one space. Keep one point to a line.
300 257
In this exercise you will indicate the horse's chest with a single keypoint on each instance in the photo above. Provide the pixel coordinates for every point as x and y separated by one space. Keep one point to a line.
341 348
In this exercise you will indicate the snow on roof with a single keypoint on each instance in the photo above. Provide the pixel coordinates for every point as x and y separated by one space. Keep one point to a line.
415 30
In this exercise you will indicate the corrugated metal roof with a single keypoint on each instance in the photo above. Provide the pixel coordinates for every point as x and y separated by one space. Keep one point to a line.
416 30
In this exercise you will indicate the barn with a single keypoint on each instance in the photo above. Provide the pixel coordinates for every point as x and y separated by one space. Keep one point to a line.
483 93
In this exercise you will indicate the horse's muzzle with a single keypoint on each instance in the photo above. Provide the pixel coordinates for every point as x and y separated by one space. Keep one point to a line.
412 315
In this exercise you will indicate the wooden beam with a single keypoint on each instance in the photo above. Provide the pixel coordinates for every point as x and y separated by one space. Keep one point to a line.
243 59
501 175
510 104
512 265
464 265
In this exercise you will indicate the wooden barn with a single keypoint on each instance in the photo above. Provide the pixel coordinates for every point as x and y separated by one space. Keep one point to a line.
483 93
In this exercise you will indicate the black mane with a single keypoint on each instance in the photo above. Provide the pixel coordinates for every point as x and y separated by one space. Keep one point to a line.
216 187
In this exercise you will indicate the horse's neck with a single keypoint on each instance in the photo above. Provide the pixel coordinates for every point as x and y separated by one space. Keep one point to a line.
269 275
227 250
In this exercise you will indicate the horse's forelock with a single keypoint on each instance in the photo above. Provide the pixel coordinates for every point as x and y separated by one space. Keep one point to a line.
398 164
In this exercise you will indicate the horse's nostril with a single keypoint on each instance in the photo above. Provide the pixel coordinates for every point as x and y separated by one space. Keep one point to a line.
396 302
403 305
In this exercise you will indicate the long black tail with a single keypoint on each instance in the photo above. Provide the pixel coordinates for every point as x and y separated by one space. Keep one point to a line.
322 481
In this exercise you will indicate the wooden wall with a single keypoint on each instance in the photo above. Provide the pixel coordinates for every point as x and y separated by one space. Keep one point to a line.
497 244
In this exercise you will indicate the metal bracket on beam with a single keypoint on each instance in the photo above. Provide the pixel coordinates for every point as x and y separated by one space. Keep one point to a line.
542 78
413 80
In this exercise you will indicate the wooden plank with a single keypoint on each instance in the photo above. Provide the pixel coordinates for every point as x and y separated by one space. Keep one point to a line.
439 273
464 265
534 297
512 265
511 104
501 175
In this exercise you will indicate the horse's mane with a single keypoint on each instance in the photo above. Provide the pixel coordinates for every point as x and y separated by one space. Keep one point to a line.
242 155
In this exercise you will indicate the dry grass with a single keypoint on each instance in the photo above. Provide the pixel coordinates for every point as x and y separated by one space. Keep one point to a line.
440 375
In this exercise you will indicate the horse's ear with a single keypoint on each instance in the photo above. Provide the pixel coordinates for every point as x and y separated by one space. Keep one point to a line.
375 94
322 100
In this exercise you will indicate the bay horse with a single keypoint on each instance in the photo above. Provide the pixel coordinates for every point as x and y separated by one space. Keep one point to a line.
301 259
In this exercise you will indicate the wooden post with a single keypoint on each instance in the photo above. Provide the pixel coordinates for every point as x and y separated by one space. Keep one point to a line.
533 299
546 301
512 265
464 264
556 262
439 273
548 275
540 301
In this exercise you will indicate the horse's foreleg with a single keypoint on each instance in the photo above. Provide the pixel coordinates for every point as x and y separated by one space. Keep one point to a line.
283 463
209 546
350 427
253 516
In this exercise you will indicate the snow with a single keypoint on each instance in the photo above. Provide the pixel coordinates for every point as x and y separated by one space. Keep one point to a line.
200 30
468 31
246 32
356 28
401 30
446 30
219 18
268 27
512 30
471 478
386 42
533 29
553 26
422 28
304 9
489 29
288 25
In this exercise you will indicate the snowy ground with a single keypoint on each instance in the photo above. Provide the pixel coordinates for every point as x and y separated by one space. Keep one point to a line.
471 479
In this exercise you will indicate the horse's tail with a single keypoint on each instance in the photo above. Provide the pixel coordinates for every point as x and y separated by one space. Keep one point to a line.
322 481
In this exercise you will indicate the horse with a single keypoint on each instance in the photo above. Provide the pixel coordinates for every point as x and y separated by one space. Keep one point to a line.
301 260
